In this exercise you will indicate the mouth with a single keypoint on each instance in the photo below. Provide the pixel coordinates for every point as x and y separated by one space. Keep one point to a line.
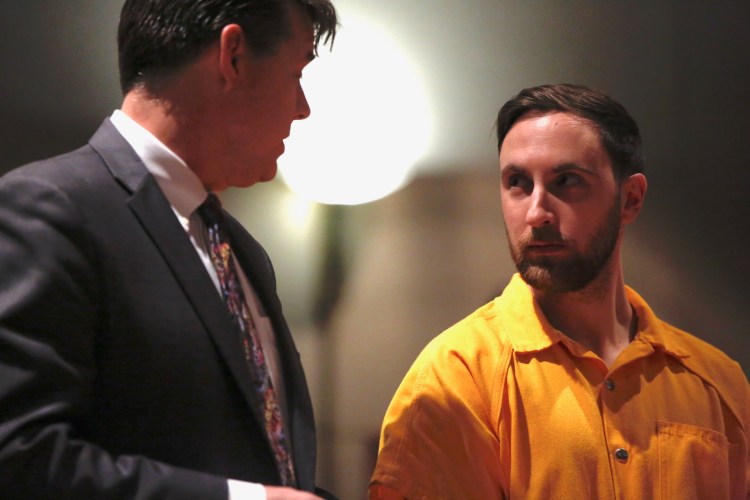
543 248
280 149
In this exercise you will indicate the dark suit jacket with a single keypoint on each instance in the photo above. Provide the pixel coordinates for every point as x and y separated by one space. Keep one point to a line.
120 373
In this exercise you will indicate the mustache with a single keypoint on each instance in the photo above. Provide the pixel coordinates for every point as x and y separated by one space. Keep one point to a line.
544 234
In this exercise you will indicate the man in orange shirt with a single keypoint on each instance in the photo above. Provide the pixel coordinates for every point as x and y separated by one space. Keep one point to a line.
567 385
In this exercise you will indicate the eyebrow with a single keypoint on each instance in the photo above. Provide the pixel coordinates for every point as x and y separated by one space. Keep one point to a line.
567 167
512 168
563 167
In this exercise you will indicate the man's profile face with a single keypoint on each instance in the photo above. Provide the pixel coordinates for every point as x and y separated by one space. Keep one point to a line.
560 201
265 104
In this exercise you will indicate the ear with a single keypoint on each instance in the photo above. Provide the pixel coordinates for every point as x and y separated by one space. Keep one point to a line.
232 46
633 194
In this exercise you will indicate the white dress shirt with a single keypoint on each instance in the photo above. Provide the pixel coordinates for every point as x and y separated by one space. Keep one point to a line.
185 194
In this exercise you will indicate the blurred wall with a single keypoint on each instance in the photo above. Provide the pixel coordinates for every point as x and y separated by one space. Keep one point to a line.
410 265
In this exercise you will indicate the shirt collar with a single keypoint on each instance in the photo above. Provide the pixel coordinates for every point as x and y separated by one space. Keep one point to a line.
529 331
654 331
523 320
180 185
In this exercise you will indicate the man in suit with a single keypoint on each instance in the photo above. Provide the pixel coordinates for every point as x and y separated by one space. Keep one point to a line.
126 370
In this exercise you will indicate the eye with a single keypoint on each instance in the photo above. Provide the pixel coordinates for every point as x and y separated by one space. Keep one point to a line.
569 180
517 181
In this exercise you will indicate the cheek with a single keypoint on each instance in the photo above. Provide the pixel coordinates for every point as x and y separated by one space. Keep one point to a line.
513 215
514 232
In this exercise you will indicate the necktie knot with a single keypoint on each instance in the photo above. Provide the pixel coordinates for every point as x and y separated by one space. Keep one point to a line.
210 210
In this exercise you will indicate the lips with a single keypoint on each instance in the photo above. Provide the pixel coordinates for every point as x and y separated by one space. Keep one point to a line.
543 248
544 243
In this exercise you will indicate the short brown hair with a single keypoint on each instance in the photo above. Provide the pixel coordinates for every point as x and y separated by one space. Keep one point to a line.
617 129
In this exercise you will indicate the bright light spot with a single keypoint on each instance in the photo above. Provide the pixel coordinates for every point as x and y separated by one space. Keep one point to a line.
370 120
298 213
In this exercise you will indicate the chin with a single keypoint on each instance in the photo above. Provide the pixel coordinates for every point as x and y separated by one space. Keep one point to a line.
265 174
269 174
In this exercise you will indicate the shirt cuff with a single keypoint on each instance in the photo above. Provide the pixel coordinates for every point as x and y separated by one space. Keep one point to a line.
241 490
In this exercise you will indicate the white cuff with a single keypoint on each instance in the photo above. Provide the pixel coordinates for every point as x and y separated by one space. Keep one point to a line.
241 490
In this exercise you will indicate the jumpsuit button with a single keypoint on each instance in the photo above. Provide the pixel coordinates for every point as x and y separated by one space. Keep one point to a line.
609 384
621 454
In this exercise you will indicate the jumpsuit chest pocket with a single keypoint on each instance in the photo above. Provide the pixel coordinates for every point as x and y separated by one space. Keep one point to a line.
694 462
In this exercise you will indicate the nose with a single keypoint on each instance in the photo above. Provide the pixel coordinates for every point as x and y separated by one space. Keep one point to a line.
303 108
539 212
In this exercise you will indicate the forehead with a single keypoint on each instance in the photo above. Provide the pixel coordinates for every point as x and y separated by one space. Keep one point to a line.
302 32
554 137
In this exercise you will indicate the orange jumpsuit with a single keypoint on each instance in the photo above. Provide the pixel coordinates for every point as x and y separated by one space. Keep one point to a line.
502 405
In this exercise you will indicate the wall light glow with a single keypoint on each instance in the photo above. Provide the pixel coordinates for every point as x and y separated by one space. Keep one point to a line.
299 214
370 121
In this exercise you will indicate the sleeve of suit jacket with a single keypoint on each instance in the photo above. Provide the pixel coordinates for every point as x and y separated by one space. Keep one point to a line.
48 320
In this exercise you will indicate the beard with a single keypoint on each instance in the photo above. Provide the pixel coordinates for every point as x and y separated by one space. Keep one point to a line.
573 273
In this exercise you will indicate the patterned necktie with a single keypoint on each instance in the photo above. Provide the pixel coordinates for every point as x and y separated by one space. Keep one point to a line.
231 290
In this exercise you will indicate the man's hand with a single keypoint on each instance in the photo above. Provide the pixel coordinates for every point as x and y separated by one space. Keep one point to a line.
280 493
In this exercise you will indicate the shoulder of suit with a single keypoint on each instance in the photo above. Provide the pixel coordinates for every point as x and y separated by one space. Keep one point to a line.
54 167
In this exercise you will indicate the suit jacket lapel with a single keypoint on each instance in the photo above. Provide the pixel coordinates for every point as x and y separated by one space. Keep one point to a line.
152 209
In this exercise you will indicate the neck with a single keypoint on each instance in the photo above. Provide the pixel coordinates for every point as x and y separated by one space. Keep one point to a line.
177 114
165 113
598 317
